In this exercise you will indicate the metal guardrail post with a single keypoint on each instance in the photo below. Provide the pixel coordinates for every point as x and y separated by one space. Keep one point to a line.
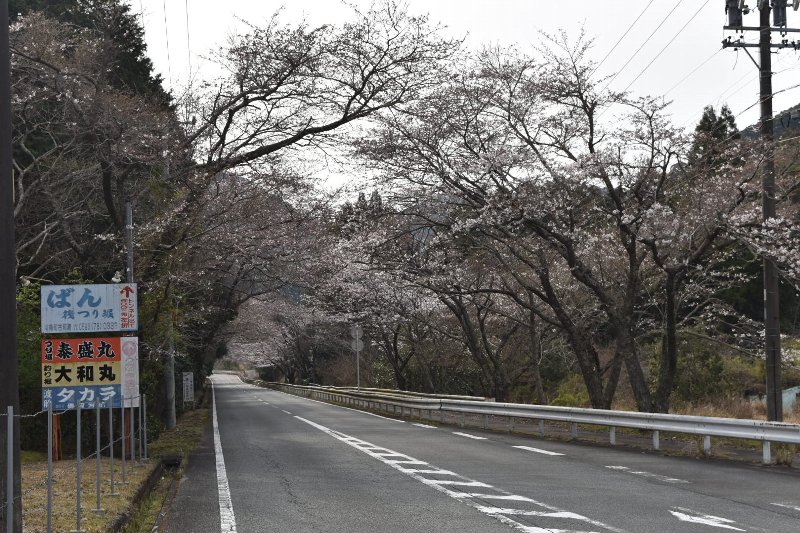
541 428
766 452
656 442
573 430
612 435
707 444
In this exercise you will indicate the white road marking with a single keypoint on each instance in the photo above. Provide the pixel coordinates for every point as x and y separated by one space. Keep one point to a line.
788 506
426 426
432 472
650 475
285 411
537 450
512 497
226 517
551 514
468 436
450 482
688 515
470 499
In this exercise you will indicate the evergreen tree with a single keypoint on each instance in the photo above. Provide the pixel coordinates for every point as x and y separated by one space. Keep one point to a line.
712 134
121 30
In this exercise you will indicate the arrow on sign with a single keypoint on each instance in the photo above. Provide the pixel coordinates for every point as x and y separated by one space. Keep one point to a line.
127 291
687 515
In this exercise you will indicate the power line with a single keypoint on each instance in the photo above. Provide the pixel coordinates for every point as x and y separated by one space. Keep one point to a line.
188 40
667 45
623 36
698 67
166 33
643 44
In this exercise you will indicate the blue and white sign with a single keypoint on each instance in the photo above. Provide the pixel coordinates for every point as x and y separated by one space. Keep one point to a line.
89 308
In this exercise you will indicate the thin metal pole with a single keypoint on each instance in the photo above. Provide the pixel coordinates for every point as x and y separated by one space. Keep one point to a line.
49 467
78 473
772 332
129 239
141 433
144 406
9 469
133 433
122 438
97 509
111 444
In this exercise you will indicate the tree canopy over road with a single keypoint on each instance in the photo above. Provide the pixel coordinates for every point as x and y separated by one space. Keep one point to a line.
526 233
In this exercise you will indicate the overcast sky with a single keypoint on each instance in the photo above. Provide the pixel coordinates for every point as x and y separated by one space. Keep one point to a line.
689 36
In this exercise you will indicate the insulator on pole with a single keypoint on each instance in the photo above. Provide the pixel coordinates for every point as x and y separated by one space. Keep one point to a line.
734 13
779 14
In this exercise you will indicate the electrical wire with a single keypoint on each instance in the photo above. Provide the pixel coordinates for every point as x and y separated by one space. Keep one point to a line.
166 33
643 44
623 36
698 67
188 40
667 45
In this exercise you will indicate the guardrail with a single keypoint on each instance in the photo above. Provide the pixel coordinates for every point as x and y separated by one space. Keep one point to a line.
707 427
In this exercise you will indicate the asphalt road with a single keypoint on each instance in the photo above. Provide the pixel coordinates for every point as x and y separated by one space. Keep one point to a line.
283 463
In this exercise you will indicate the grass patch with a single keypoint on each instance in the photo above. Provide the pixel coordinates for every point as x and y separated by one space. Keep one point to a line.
176 442
183 438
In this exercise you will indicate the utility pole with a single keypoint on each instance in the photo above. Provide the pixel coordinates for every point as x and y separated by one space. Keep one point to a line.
772 334
9 379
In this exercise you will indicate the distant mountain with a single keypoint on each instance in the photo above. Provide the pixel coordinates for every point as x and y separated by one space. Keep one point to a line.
786 122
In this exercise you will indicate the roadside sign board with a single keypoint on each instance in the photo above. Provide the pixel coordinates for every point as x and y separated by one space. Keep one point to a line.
130 370
81 371
188 387
85 370
89 308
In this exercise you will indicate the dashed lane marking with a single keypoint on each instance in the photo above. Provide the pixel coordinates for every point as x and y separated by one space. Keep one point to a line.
650 475
475 437
285 411
537 450
426 426
696 517
342 407
549 518
788 506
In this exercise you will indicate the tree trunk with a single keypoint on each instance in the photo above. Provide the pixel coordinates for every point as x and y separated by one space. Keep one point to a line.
626 348
669 348
536 350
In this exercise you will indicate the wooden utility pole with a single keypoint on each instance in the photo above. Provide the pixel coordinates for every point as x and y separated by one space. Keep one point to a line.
9 381
772 333
772 337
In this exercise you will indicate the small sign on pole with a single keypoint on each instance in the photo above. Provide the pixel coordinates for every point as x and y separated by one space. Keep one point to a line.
188 387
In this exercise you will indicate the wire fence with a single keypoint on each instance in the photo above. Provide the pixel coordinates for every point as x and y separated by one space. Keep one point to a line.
129 437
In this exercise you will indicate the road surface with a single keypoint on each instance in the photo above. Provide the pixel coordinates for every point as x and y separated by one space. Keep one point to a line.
276 462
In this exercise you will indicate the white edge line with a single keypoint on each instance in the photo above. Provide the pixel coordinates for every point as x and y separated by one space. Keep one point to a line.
227 518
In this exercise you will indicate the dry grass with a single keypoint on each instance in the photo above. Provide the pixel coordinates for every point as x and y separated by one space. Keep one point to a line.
179 441
34 494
